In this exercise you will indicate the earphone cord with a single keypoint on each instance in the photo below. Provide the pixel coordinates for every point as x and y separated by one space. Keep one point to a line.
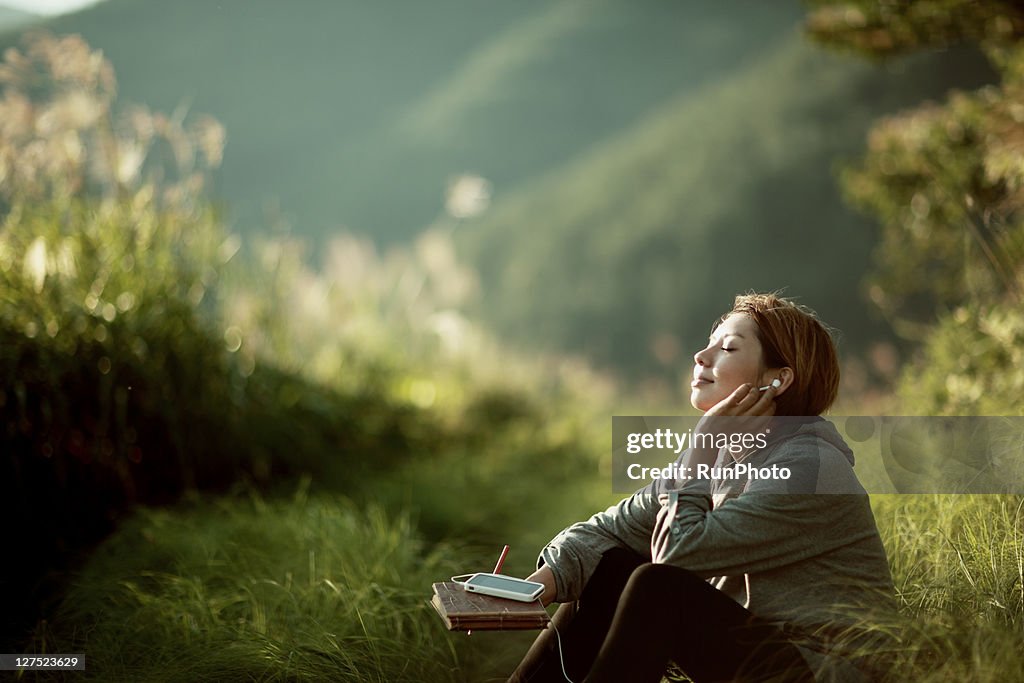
561 659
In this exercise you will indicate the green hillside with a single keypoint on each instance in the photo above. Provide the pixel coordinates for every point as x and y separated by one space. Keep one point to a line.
648 159
641 242
11 18
357 114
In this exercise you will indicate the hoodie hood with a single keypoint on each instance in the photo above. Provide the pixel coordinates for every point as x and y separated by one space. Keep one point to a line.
815 426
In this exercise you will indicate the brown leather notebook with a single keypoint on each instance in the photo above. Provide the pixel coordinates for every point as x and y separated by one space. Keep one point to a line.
464 611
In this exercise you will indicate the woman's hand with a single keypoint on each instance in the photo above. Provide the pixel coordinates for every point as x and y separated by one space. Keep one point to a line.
747 410
547 577
753 406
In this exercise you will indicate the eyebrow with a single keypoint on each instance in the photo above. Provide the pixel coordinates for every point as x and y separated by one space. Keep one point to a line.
729 334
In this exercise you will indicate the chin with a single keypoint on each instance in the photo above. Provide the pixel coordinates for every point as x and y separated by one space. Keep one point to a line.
703 405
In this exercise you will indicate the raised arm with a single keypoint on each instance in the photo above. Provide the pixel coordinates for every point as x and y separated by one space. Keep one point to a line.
568 560
774 523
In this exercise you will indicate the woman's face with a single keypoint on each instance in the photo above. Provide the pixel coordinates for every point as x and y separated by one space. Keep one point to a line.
732 357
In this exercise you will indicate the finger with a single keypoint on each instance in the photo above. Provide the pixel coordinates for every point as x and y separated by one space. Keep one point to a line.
765 402
762 408
772 387
761 412
743 394
729 406
751 397
741 391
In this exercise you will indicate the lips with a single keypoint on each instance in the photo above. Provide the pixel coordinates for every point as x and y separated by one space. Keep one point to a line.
701 381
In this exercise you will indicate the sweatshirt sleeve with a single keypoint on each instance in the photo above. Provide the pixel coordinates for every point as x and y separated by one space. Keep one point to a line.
773 523
574 553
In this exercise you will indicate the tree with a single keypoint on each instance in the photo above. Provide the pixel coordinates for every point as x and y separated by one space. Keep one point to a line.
946 182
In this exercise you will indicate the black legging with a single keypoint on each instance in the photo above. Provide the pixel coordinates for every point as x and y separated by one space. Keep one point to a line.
635 617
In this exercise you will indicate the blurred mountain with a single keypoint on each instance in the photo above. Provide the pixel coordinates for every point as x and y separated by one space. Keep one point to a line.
357 114
11 18
630 252
649 159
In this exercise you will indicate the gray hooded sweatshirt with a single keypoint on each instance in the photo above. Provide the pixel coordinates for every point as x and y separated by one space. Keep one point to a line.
802 552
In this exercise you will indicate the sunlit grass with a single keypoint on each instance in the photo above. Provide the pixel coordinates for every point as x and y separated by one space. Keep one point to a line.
245 589
958 565
316 589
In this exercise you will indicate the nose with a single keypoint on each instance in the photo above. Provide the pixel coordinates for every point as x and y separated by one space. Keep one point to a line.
698 358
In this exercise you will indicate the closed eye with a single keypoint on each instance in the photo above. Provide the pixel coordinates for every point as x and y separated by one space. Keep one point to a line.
725 349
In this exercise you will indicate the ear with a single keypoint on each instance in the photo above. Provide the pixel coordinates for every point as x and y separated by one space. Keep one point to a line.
784 375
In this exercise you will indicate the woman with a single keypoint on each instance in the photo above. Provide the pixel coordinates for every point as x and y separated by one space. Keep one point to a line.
731 579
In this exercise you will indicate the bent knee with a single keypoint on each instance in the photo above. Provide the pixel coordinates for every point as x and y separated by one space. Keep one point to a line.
650 575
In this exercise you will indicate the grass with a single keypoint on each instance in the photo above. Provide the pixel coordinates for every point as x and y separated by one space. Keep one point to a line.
241 589
958 565
314 588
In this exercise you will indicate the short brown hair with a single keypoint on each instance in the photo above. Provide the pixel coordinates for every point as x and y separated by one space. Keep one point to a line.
791 335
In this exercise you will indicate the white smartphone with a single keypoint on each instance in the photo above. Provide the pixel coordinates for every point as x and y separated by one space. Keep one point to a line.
501 586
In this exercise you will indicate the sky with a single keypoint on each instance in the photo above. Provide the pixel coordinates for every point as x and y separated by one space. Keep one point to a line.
47 6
